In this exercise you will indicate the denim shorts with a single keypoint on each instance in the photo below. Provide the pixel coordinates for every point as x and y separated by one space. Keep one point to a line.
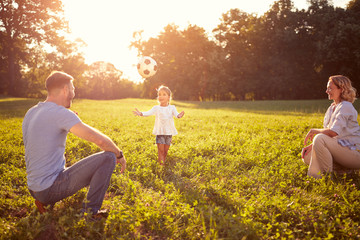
163 139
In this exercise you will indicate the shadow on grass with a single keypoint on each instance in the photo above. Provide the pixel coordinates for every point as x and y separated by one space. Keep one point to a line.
283 107
205 201
15 107
351 177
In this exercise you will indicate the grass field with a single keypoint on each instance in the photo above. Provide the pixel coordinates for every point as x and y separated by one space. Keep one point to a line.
233 172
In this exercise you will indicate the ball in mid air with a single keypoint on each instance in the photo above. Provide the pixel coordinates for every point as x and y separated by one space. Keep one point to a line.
147 67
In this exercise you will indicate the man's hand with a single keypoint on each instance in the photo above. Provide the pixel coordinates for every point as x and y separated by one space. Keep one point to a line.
122 162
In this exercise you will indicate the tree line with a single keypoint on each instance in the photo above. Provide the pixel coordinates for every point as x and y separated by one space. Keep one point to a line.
286 53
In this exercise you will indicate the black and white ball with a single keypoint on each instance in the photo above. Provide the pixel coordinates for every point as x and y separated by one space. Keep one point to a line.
147 67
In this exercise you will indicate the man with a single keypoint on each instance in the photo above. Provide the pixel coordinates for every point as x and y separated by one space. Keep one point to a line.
45 128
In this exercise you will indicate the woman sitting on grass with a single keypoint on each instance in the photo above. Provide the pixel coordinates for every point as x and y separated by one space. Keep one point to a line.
338 143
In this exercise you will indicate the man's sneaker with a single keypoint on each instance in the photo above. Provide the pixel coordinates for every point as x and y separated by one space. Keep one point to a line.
40 206
101 214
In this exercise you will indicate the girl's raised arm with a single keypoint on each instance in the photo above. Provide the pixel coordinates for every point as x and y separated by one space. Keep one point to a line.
137 112
180 115
175 112
145 114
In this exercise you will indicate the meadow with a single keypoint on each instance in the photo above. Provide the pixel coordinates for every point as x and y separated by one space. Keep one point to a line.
233 172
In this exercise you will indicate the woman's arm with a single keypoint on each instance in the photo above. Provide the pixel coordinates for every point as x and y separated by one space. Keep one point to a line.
310 135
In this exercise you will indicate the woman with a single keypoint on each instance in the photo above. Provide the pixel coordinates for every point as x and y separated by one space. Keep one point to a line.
338 143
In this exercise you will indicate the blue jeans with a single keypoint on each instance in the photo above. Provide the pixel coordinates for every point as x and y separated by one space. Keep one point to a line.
94 171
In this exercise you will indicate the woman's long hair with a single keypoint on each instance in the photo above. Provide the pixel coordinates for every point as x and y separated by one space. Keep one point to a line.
348 91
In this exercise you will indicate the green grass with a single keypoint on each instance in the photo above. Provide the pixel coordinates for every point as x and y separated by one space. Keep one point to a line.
233 172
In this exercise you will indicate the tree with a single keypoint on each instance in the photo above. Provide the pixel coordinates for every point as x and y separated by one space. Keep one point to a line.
185 62
286 52
237 35
337 33
268 57
23 25
104 81
67 57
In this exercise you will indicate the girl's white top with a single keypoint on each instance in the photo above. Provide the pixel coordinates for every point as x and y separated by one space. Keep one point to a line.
342 119
164 119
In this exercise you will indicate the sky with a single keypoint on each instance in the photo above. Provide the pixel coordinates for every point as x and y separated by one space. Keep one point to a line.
107 26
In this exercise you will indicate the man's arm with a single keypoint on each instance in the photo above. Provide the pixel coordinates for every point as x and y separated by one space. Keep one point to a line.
91 134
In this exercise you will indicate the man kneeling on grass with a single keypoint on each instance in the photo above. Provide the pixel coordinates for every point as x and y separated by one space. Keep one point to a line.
45 128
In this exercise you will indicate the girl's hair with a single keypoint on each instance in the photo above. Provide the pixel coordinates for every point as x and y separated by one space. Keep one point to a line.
165 89
348 91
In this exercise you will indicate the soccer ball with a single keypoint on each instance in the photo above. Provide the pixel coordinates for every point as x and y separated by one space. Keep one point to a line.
147 67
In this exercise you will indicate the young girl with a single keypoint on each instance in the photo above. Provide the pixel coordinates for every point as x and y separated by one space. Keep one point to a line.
164 127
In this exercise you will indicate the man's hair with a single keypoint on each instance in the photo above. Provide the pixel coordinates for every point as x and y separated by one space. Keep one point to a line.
57 80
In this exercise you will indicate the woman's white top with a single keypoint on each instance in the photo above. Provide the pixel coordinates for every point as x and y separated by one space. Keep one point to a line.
164 119
342 119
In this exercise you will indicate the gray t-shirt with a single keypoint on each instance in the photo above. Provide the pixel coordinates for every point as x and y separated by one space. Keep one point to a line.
45 127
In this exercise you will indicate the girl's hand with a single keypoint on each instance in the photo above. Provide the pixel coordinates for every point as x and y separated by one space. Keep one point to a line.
137 112
181 114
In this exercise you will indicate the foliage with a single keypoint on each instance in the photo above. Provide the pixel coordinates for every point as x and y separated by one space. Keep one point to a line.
24 24
104 81
186 69
233 172
67 57
337 50
286 53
